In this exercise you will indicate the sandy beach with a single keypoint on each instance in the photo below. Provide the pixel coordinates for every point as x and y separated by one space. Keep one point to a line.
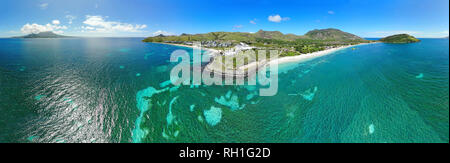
255 65
300 58
308 56
214 51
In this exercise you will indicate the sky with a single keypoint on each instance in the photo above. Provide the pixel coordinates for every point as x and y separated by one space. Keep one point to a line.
143 18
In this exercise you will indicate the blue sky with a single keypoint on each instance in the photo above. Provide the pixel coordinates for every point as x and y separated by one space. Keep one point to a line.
141 18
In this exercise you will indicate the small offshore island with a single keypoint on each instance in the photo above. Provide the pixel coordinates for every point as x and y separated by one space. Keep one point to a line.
44 35
291 47
400 39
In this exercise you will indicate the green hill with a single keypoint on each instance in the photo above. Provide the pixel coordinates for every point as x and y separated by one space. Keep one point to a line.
324 34
231 36
331 34
277 35
400 38
43 35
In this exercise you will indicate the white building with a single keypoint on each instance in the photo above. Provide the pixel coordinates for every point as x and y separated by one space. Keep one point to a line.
237 49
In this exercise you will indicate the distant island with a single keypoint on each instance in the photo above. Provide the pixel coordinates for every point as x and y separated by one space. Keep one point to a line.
291 47
43 35
400 39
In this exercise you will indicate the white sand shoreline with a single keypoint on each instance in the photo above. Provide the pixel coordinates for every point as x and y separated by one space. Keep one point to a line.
297 59
282 60
287 59
308 56
188 46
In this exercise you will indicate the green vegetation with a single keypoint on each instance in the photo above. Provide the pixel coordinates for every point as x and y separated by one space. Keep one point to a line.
43 35
400 38
332 34
288 44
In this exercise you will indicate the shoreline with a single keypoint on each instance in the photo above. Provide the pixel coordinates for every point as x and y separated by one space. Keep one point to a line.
308 56
189 46
257 65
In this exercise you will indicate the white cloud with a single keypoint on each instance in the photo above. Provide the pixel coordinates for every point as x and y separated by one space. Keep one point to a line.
99 24
87 28
56 22
331 12
277 18
43 6
161 32
237 27
252 22
71 18
37 28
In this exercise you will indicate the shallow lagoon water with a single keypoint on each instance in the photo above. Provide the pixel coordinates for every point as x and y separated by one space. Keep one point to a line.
73 90
213 116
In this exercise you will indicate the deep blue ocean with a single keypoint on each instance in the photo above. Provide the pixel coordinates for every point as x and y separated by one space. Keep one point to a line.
116 90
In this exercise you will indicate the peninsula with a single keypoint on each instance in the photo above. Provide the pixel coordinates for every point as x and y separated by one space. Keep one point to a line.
290 47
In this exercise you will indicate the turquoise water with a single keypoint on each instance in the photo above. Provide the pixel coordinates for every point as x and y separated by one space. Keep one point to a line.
116 90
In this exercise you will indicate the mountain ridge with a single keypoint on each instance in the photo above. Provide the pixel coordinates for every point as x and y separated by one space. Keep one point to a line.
317 34
47 34
331 34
